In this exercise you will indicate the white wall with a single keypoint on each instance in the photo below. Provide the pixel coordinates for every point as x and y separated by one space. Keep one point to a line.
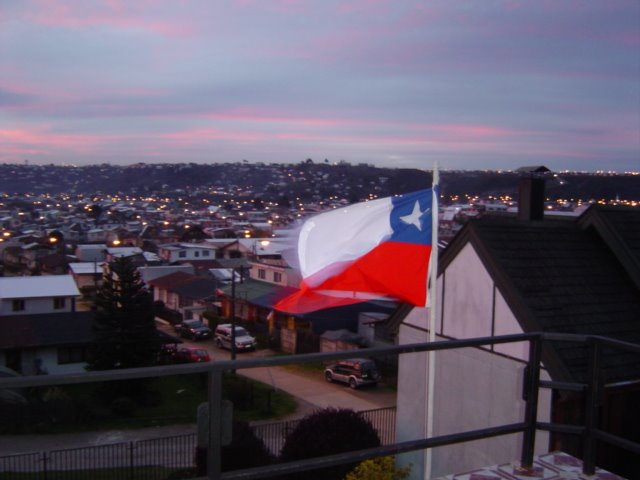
474 388
35 305
468 297
49 357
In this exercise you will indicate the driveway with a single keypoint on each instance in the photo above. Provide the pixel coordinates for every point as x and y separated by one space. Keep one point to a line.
309 388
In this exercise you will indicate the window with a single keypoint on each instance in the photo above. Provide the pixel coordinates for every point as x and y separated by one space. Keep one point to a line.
59 303
277 277
182 254
72 355
262 274
17 305
205 253
197 253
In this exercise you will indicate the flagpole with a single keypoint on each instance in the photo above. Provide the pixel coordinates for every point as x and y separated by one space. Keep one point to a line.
431 299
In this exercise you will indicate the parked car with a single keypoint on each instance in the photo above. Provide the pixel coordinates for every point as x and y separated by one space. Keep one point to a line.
191 355
244 341
193 329
355 372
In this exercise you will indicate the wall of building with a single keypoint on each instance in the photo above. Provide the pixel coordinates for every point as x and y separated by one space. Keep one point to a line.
473 388
35 305
49 358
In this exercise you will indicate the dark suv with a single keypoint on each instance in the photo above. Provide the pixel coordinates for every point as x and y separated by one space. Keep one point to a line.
355 372
194 329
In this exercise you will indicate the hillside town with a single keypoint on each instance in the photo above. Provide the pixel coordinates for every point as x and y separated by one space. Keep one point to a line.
222 253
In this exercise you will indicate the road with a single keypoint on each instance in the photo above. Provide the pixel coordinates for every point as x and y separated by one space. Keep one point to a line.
310 389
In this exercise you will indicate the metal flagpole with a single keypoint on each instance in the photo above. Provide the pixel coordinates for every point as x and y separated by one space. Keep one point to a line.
431 299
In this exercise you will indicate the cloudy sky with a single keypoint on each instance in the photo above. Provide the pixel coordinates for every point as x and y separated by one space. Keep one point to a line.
475 84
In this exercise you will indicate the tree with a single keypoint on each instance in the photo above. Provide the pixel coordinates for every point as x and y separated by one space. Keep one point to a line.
327 432
124 326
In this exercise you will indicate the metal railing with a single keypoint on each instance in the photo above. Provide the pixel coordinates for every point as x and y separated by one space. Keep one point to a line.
589 431
155 458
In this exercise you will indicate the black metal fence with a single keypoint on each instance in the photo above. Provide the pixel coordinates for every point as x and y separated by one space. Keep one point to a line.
153 459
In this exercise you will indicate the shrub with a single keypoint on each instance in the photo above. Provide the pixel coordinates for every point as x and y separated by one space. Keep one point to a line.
328 432
381 468
246 450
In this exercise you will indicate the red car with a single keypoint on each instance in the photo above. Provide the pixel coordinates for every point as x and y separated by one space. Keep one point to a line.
191 355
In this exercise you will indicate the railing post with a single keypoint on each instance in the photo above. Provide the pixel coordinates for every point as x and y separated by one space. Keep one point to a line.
530 395
215 425
131 466
591 408
44 465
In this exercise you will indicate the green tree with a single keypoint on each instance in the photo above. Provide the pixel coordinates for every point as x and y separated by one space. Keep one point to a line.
124 326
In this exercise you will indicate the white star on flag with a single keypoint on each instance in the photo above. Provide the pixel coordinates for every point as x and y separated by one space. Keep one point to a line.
414 217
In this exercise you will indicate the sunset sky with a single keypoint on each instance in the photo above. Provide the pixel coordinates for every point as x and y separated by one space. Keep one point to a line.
473 84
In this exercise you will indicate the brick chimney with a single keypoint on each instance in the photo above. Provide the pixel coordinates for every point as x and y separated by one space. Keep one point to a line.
531 192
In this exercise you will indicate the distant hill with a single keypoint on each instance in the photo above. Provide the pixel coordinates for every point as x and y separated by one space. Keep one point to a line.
307 181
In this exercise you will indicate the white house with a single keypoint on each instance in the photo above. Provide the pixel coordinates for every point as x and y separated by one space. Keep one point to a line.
183 252
501 276
39 294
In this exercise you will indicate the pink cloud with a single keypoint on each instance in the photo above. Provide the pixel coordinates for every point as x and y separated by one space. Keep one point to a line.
42 141
138 15
249 114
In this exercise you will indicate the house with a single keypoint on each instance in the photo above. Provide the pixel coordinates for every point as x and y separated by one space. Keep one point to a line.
87 275
37 316
188 294
504 275
184 252
46 343
91 252
39 294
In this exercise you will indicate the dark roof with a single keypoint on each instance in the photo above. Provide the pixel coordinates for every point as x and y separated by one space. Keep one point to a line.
198 289
258 292
47 329
53 330
558 276
619 227
172 280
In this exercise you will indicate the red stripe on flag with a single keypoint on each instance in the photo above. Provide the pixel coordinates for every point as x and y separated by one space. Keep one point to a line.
391 270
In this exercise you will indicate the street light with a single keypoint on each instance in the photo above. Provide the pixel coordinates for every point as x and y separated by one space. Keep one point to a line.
233 308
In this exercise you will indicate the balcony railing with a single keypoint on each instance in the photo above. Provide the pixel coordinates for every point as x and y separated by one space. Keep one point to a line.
529 425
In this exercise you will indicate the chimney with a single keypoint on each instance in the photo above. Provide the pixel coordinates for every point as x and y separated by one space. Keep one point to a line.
531 192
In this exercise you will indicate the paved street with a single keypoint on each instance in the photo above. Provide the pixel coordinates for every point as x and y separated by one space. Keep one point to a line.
311 390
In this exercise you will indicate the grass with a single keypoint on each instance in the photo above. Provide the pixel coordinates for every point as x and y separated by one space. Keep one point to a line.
154 402
307 367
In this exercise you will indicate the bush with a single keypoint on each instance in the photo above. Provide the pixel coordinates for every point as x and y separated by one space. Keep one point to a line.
246 450
327 432
381 468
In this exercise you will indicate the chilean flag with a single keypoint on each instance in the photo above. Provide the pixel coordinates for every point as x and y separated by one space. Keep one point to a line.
372 250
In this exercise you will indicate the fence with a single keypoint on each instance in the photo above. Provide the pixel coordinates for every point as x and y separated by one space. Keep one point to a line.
590 429
274 434
145 460
153 459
